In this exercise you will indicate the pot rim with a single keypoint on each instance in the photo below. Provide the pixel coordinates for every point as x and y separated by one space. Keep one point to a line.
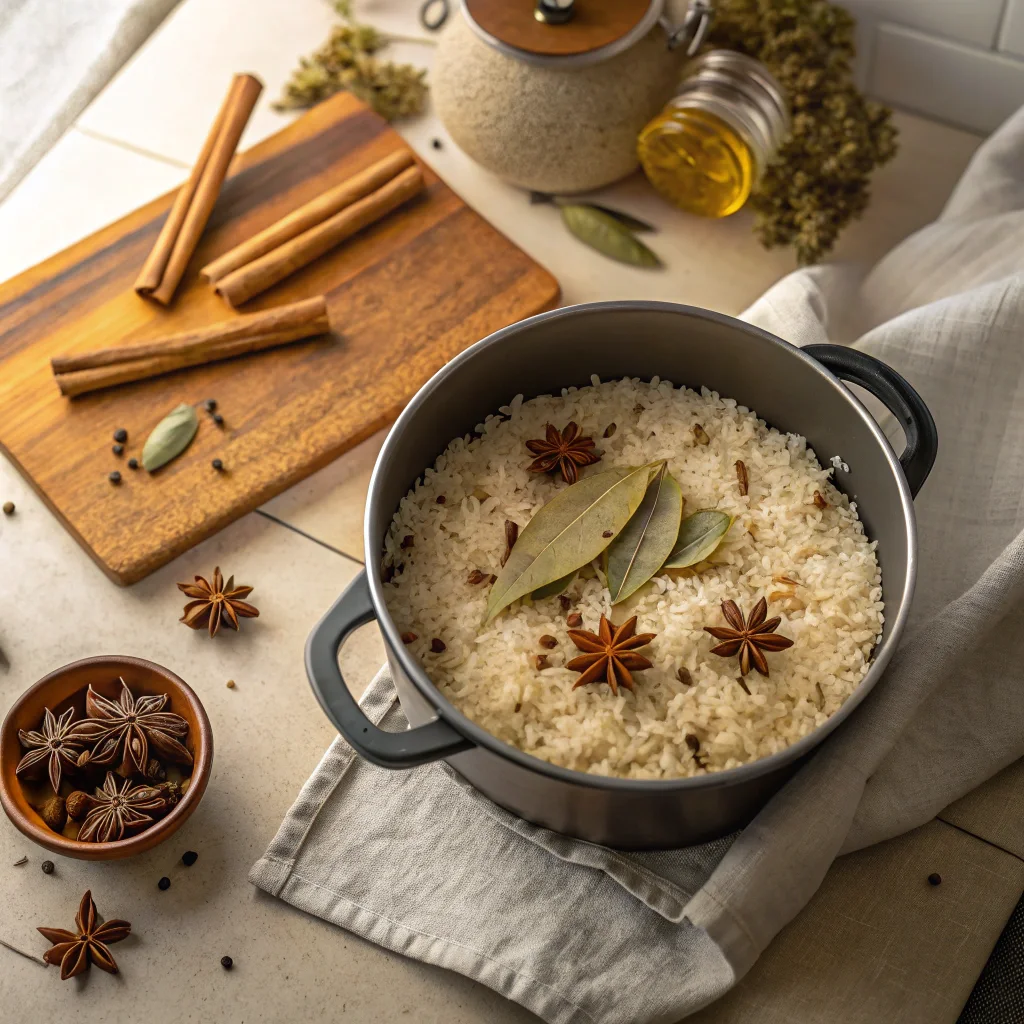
479 736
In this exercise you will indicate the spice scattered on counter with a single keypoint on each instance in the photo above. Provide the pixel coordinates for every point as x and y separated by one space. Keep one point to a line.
164 884
218 419
133 463
227 963
189 857
935 878
210 405
114 477
437 144
120 435
216 604
75 951
8 508
218 465
348 60
117 449
230 684
47 867
20 861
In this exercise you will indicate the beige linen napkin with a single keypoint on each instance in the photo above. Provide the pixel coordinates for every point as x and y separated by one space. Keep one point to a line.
422 864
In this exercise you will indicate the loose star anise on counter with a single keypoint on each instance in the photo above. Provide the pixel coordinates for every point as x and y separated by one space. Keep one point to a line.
609 654
74 951
119 807
563 450
59 741
216 604
748 639
131 725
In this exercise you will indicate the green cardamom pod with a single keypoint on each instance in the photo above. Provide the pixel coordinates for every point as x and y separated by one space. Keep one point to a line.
607 235
170 437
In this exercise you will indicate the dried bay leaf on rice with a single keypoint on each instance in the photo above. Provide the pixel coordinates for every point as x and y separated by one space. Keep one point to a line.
646 541
699 535
573 528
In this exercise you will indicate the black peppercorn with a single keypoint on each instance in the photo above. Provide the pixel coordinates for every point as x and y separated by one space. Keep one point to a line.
114 477
227 963
8 508
218 419
217 465
47 867
437 144
133 463
189 857
210 404
120 435
117 449
164 883
935 879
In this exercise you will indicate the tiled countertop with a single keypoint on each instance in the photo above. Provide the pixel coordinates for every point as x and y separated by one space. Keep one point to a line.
875 944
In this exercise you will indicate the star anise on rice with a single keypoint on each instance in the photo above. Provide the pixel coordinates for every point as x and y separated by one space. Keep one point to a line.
563 450
119 807
216 604
59 741
131 726
748 639
74 951
610 654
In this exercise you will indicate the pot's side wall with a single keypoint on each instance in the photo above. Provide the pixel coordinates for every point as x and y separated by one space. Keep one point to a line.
548 129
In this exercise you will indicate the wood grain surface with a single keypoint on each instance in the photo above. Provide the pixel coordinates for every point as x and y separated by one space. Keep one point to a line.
404 296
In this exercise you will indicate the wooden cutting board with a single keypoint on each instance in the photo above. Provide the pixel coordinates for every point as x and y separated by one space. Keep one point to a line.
405 296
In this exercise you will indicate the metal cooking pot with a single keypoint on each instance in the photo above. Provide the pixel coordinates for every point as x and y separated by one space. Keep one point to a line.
793 389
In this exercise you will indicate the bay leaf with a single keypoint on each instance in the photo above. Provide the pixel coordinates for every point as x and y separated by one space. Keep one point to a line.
640 550
170 437
699 535
568 532
604 233
627 220
556 588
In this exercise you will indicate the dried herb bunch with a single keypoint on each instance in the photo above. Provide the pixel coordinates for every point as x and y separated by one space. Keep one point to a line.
348 61
819 181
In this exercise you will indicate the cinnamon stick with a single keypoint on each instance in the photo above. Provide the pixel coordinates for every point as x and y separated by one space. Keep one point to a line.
249 280
309 215
268 329
305 314
162 272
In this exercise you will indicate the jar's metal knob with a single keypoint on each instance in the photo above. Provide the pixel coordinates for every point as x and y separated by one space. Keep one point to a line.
693 29
554 12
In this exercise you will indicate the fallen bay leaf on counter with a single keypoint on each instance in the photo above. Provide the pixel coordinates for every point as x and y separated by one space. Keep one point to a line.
699 535
607 235
640 550
573 528
170 437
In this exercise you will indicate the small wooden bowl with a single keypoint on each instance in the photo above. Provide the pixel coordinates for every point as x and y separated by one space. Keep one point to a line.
66 687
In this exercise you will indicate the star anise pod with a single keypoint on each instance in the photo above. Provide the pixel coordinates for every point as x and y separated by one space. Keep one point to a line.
119 807
610 654
59 742
75 951
216 604
748 639
131 726
564 451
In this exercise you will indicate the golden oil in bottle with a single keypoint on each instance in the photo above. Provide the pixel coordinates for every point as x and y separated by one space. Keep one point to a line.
706 150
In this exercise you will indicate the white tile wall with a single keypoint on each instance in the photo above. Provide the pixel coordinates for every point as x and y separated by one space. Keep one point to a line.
1011 38
960 61
965 86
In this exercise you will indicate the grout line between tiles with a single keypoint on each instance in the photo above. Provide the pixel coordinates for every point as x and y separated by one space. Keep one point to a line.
308 536
138 150
982 839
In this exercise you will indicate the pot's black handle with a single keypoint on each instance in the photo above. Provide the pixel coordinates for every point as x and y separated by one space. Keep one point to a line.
407 749
897 396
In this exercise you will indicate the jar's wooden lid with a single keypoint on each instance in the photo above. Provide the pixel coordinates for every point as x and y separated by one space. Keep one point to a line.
594 25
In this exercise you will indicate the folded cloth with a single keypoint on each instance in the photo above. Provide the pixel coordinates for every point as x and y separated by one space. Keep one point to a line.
54 57
422 864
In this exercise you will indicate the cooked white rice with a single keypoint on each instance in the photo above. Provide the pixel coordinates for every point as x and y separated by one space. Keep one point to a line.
833 614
